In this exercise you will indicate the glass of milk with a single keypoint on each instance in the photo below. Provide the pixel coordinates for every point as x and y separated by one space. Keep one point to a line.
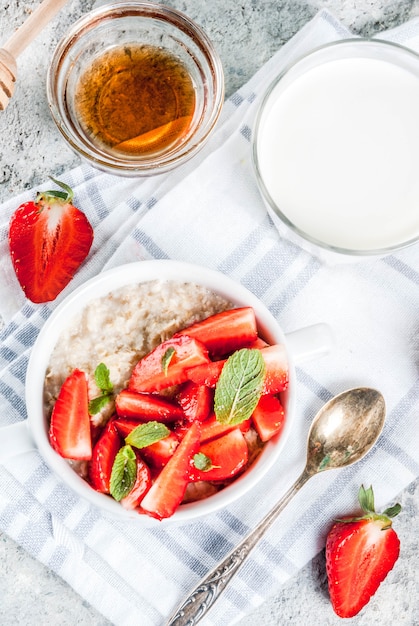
336 147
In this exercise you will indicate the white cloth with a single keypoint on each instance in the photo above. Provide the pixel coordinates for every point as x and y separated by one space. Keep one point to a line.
210 212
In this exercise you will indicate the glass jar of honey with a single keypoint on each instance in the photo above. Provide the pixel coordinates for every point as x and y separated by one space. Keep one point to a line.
135 88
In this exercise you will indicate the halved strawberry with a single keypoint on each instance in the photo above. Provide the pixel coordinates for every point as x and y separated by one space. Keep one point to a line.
141 486
360 552
211 428
196 401
48 240
167 491
151 374
228 455
146 407
268 417
103 457
226 331
69 431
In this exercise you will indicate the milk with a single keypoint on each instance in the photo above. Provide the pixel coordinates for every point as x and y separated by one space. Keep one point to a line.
338 152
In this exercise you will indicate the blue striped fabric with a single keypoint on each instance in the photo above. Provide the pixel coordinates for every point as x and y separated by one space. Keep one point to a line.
209 212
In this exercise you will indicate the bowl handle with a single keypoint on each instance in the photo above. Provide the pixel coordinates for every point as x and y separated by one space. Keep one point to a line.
310 342
15 439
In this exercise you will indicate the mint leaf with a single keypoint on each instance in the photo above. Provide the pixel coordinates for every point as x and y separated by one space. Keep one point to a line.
202 462
102 378
98 403
146 434
240 386
103 381
124 473
166 358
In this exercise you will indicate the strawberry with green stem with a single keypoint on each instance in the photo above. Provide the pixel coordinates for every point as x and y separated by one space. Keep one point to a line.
360 552
49 238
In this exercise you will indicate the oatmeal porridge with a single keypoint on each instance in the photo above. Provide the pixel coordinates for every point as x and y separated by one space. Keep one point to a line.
121 327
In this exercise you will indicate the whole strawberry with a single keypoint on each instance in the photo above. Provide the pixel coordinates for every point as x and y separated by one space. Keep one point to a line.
360 552
49 238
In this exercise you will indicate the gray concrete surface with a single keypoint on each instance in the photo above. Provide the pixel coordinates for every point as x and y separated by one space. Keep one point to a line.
246 34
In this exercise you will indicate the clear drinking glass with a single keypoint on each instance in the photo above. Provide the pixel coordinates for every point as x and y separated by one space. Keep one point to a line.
335 149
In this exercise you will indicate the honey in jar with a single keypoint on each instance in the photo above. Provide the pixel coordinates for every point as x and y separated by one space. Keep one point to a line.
137 100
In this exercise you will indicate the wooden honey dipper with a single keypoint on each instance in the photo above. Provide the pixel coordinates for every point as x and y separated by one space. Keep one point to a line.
17 43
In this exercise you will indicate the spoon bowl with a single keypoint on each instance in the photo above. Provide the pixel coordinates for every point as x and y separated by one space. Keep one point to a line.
345 429
342 432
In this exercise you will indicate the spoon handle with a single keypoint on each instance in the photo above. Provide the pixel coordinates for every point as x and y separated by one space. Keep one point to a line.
32 26
201 599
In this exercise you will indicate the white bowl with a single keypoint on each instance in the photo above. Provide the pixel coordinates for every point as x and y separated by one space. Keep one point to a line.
102 284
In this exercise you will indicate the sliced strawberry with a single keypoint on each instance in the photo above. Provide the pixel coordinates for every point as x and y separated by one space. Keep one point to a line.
212 428
141 486
276 362
195 400
226 331
207 373
167 491
360 552
69 431
228 455
150 374
268 417
157 454
95 431
146 407
104 453
125 425
48 241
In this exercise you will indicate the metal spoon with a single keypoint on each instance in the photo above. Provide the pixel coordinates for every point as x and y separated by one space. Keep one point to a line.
342 432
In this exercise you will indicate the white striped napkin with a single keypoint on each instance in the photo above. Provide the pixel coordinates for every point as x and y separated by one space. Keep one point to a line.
209 212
